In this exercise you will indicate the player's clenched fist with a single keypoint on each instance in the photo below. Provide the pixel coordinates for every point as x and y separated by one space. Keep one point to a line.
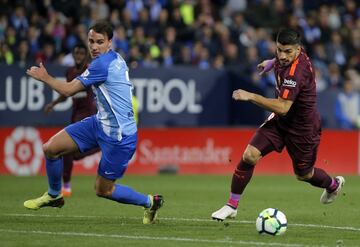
240 94
38 73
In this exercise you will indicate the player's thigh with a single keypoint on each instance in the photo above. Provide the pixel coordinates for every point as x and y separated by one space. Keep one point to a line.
303 152
116 156
267 138
84 134
61 143
79 156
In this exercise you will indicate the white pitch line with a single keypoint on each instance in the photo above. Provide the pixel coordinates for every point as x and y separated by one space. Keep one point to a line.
346 228
137 237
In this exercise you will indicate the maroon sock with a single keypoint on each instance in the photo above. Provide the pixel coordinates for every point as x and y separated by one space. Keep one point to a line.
320 179
333 186
67 170
241 177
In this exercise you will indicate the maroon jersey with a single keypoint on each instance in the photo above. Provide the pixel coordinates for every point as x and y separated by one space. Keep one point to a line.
83 102
296 82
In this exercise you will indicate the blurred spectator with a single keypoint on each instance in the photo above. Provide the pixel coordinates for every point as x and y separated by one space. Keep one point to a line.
32 36
46 54
135 57
161 23
170 40
187 12
231 54
204 62
321 83
84 12
310 28
101 8
149 62
334 19
166 57
347 108
353 75
22 54
336 49
19 21
153 48
134 7
231 7
185 56
297 8
204 33
6 55
155 10
3 25
115 18
120 42
335 78
218 62
10 37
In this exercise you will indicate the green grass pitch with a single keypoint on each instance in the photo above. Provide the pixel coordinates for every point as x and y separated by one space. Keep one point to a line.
86 220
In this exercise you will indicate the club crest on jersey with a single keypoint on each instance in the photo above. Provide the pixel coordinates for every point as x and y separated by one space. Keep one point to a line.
289 83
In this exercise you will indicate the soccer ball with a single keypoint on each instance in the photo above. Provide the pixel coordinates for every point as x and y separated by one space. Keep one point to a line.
271 221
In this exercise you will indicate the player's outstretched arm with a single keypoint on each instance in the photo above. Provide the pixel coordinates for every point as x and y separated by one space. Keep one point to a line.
279 106
265 66
67 89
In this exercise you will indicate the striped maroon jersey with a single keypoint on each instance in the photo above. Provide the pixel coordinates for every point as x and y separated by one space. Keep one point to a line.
296 82
83 102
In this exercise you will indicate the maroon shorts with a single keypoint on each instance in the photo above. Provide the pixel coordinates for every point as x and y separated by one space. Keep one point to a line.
302 149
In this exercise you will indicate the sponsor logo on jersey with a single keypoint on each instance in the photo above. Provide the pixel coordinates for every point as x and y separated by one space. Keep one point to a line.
289 83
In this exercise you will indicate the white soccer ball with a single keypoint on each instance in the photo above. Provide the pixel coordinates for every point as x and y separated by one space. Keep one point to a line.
271 221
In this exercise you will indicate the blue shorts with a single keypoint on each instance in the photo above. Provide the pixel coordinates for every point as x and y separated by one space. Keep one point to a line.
88 134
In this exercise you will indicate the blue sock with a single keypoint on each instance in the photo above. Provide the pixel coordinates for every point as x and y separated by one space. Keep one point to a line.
54 170
127 195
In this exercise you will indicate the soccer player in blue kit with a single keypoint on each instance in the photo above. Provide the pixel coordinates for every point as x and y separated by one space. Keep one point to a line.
113 128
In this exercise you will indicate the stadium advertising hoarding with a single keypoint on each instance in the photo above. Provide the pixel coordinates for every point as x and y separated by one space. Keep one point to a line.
167 97
183 151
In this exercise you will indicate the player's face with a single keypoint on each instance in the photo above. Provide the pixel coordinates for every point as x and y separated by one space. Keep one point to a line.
80 55
287 53
98 43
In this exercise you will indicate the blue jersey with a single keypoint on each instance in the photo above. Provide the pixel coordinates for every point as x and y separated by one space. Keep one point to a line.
108 75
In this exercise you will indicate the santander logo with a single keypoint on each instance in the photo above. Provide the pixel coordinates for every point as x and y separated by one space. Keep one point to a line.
208 153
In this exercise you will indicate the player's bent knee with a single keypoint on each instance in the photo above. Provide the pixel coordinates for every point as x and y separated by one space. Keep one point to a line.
250 158
49 151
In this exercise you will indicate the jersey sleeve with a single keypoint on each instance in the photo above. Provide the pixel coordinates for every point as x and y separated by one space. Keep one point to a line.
95 74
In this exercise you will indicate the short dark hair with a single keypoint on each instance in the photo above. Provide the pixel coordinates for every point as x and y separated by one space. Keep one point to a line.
80 46
103 27
288 36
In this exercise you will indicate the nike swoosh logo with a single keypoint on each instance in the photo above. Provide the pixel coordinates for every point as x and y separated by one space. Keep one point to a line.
109 173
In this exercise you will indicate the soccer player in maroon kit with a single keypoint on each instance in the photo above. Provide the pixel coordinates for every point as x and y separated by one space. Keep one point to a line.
83 106
294 124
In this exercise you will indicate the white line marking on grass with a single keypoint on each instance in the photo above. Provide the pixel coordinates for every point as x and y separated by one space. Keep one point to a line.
137 237
345 228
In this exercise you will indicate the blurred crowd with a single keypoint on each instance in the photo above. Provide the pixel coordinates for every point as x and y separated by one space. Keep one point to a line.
206 34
